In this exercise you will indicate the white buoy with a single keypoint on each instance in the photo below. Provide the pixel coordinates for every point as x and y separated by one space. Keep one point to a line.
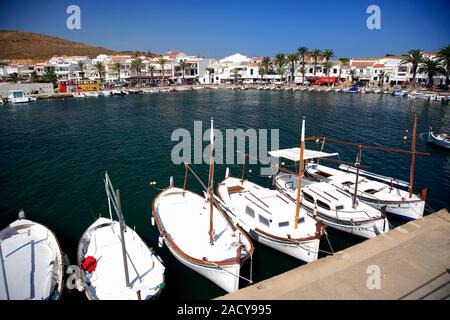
153 220
160 241
171 182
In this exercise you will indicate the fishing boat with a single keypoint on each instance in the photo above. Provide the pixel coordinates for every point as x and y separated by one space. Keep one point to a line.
31 262
199 234
330 205
116 263
376 190
79 95
270 218
17 96
439 139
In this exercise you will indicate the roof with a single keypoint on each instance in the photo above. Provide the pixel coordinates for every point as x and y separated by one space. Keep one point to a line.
294 154
378 65
361 63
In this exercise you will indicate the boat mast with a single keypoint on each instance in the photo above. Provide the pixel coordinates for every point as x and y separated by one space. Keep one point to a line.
300 174
211 183
3 271
114 198
357 165
413 158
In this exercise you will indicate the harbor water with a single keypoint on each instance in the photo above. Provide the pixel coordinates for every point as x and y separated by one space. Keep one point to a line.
53 155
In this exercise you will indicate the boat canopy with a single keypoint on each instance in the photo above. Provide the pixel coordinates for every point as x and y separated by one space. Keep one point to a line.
293 154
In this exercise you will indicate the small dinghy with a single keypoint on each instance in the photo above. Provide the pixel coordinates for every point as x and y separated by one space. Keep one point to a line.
79 95
439 139
31 262
199 234
116 264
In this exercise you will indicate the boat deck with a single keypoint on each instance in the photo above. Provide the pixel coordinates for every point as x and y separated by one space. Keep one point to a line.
108 279
186 221
30 260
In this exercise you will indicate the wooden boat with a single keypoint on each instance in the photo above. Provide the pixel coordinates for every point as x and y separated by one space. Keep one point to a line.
374 189
439 139
116 263
324 201
183 218
269 217
31 262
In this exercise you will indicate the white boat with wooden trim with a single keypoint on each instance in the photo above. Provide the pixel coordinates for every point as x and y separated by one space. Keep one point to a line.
439 139
199 234
269 217
116 263
324 201
31 262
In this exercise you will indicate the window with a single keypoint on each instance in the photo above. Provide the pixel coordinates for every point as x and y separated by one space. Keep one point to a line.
283 224
308 197
340 207
250 212
301 220
251 72
323 205
334 71
347 183
264 221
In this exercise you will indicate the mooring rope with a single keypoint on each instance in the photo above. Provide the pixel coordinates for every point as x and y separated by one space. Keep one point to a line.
236 275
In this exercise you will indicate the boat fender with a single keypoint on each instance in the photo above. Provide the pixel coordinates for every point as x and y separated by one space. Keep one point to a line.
160 241
227 172
153 220
171 182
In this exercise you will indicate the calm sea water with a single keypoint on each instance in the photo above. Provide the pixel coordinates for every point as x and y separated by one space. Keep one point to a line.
53 155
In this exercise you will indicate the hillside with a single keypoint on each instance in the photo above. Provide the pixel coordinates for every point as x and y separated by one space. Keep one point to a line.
28 47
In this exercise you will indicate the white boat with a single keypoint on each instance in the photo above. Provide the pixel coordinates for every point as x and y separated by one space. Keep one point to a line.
91 94
269 217
79 95
31 262
116 263
107 93
17 96
439 139
198 87
324 201
184 218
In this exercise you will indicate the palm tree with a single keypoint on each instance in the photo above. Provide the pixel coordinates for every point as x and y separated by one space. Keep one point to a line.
34 77
210 71
183 66
302 52
431 68
162 62
280 63
328 65
100 68
50 76
327 54
415 57
444 55
137 65
235 72
292 59
81 66
315 54
14 77
116 68
344 62
151 69
352 73
383 75
265 65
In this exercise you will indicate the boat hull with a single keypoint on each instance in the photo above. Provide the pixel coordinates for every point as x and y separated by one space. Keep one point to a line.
226 277
441 143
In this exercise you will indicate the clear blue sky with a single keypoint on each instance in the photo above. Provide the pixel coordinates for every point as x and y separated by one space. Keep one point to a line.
255 28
